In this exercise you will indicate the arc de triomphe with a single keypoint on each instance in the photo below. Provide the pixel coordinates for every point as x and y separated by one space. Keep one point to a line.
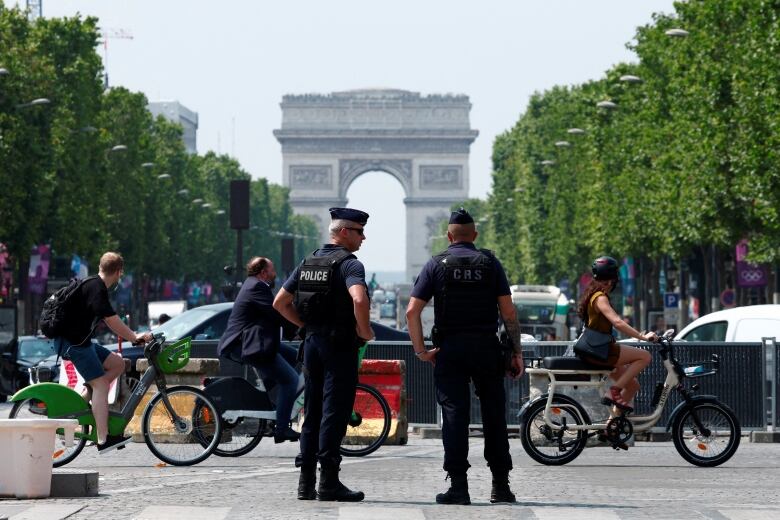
328 141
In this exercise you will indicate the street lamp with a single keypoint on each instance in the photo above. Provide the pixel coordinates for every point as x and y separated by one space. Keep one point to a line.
677 33
147 165
606 104
3 72
220 212
183 192
562 144
575 131
629 78
163 176
118 148
206 205
197 201
35 103
547 162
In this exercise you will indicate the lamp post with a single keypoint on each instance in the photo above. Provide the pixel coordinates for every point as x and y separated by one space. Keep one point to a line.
35 103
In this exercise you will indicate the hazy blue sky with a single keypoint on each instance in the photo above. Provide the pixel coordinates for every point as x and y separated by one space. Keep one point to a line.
234 60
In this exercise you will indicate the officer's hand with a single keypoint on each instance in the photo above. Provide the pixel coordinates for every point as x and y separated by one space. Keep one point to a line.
518 367
429 355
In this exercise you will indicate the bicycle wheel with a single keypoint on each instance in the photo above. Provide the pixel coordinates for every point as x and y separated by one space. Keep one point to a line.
542 443
369 424
176 439
61 454
716 443
238 437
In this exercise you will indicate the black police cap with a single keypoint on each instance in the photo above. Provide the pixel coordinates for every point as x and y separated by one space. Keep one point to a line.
461 217
354 215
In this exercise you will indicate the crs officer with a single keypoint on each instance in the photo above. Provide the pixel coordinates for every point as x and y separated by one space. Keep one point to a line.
327 295
470 290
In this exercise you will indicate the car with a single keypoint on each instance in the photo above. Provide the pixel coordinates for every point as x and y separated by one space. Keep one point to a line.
208 322
19 356
740 324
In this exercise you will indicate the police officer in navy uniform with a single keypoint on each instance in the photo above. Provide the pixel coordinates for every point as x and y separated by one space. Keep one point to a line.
470 290
327 296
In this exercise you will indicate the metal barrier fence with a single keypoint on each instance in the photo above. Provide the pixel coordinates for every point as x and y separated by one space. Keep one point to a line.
744 381
739 382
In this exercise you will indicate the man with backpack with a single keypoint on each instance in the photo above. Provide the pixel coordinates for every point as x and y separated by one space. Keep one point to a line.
70 317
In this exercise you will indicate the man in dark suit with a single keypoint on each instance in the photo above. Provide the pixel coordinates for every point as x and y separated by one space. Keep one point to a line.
253 336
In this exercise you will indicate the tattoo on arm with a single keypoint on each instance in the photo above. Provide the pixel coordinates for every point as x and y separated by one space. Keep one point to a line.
513 330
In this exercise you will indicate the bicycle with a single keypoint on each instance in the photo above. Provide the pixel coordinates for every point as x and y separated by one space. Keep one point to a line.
248 414
555 428
174 417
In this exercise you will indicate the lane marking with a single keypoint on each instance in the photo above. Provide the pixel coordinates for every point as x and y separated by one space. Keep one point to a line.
47 512
183 513
380 513
750 514
580 513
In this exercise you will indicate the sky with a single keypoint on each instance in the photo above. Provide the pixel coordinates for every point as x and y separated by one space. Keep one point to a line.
232 61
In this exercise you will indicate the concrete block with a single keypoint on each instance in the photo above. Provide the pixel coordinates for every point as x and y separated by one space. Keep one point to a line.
765 437
74 483
429 433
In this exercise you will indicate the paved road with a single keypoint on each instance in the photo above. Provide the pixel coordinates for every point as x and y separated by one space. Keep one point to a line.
649 481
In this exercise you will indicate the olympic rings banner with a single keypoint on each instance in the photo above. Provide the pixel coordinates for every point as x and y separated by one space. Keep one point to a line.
749 275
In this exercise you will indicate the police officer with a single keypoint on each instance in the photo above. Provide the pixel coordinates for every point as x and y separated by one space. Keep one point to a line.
327 295
470 289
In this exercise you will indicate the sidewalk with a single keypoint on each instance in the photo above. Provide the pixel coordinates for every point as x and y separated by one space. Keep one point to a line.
401 482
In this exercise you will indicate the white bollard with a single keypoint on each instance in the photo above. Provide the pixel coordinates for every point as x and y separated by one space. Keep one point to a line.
26 448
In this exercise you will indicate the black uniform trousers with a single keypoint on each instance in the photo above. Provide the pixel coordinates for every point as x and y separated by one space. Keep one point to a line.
331 375
476 357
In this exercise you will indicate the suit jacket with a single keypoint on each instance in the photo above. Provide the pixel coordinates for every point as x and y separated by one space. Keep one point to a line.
253 328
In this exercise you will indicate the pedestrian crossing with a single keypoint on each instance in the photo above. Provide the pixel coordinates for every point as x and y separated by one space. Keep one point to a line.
10 511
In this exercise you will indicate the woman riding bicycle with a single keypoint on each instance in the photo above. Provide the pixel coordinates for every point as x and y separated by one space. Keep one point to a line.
597 314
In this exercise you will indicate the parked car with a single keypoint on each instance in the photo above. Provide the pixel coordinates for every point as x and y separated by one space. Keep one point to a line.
20 355
205 326
748 324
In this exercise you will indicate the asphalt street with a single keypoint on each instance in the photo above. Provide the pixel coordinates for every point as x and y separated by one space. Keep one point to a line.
649 481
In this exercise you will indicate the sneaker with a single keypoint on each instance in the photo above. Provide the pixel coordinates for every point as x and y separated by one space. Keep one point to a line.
113 442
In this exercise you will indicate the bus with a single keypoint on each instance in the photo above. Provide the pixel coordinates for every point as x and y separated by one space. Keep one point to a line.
542 311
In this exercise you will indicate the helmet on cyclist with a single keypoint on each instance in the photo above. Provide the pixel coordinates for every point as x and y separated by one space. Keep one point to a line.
604 268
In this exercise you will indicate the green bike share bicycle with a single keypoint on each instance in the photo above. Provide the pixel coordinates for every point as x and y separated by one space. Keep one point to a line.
175 420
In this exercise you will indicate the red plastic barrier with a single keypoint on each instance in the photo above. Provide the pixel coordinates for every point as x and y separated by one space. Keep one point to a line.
389 377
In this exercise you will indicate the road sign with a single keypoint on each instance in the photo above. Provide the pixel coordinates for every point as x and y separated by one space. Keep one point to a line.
671 300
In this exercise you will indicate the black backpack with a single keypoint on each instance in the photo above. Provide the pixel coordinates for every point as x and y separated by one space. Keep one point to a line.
54 316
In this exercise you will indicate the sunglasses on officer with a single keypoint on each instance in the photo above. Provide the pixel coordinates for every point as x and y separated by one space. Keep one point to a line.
358 229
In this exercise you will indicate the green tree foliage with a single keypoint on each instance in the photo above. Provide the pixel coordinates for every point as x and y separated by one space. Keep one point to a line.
93 170
688 157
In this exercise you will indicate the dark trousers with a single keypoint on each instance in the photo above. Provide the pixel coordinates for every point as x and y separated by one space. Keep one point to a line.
475 357
331 376
281 371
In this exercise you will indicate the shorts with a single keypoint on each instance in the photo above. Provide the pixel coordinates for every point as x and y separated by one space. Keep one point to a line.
88 359
612 357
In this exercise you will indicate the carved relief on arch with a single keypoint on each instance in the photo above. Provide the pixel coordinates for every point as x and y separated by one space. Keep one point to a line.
350 169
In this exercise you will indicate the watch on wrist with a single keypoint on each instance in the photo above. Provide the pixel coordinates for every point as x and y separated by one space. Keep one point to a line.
418 354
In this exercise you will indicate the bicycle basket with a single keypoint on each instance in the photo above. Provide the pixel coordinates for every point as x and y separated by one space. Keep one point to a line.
174 356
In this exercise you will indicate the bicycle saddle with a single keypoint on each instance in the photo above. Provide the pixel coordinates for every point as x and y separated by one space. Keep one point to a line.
570 363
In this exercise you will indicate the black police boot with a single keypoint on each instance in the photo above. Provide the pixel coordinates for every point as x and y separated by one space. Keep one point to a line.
500 491
332 490
458 493
307 484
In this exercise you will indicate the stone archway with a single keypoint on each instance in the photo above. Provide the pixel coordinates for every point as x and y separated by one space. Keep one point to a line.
328 141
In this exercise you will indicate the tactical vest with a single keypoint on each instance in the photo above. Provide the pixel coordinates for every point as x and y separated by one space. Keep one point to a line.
468 299
322 299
